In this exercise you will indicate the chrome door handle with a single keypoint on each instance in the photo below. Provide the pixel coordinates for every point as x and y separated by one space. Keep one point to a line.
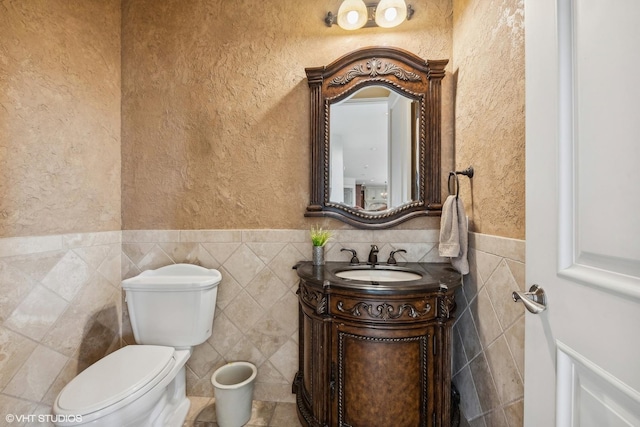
535 300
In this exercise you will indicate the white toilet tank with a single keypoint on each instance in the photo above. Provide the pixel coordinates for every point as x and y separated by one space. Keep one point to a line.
172 305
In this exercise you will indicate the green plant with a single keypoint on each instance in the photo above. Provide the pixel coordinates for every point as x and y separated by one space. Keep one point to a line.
319 237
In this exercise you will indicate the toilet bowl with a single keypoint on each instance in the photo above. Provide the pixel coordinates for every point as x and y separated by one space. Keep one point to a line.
129 387
171 310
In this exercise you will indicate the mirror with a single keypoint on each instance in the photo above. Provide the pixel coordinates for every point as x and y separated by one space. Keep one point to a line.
373 147
375 137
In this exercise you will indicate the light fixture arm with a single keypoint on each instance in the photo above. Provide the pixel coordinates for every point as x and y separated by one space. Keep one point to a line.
331 18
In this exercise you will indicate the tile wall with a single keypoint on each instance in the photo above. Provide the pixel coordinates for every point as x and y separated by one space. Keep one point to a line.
60 311
488 336
256 316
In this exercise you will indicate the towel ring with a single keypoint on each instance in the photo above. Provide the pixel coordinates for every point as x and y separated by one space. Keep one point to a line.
468 172
456 184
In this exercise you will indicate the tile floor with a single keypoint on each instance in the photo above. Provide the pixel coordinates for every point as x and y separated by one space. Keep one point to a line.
271 414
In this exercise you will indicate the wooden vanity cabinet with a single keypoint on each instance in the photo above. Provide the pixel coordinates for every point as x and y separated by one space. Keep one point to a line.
374 355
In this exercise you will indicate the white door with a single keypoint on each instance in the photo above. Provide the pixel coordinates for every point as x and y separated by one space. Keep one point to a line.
582 356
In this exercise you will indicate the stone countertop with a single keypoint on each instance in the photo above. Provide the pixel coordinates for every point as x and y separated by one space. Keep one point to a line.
435 277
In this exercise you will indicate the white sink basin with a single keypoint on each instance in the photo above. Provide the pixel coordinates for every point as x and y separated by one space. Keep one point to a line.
379 275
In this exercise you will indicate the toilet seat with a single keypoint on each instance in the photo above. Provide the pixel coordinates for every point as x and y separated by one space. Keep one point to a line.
116 380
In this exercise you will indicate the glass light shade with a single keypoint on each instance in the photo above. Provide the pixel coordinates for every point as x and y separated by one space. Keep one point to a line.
390 13
352 14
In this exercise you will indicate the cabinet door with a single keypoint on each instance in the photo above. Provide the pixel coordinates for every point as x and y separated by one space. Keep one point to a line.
384 376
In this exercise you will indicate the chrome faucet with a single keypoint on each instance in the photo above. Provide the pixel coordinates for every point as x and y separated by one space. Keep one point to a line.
373 256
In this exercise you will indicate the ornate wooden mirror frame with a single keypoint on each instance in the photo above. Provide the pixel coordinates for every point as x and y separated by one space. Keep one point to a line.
404 73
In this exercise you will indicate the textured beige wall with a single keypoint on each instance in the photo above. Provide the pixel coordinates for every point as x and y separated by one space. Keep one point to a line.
215 106
59 116
488 52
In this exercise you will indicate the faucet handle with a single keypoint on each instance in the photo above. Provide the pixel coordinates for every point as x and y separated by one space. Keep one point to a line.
354 256
392 259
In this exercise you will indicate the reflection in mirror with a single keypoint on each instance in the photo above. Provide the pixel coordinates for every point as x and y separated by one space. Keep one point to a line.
373 146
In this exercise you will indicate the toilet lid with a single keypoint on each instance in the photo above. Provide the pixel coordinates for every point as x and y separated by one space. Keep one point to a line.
132 370
175 277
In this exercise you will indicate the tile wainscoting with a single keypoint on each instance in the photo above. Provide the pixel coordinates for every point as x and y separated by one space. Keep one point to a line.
488 336
62 309
257 315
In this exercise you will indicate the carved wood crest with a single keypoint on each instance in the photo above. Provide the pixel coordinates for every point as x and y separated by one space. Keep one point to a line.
373 68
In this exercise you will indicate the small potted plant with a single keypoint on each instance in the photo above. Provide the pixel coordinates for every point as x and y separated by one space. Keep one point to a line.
319 238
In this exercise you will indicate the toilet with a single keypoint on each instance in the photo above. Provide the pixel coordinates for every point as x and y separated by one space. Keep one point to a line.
171 311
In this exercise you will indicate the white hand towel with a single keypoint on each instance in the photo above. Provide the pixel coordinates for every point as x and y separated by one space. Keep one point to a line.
454 239
449 232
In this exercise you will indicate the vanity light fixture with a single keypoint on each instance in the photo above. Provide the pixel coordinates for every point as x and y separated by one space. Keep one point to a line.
391 13
355 14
